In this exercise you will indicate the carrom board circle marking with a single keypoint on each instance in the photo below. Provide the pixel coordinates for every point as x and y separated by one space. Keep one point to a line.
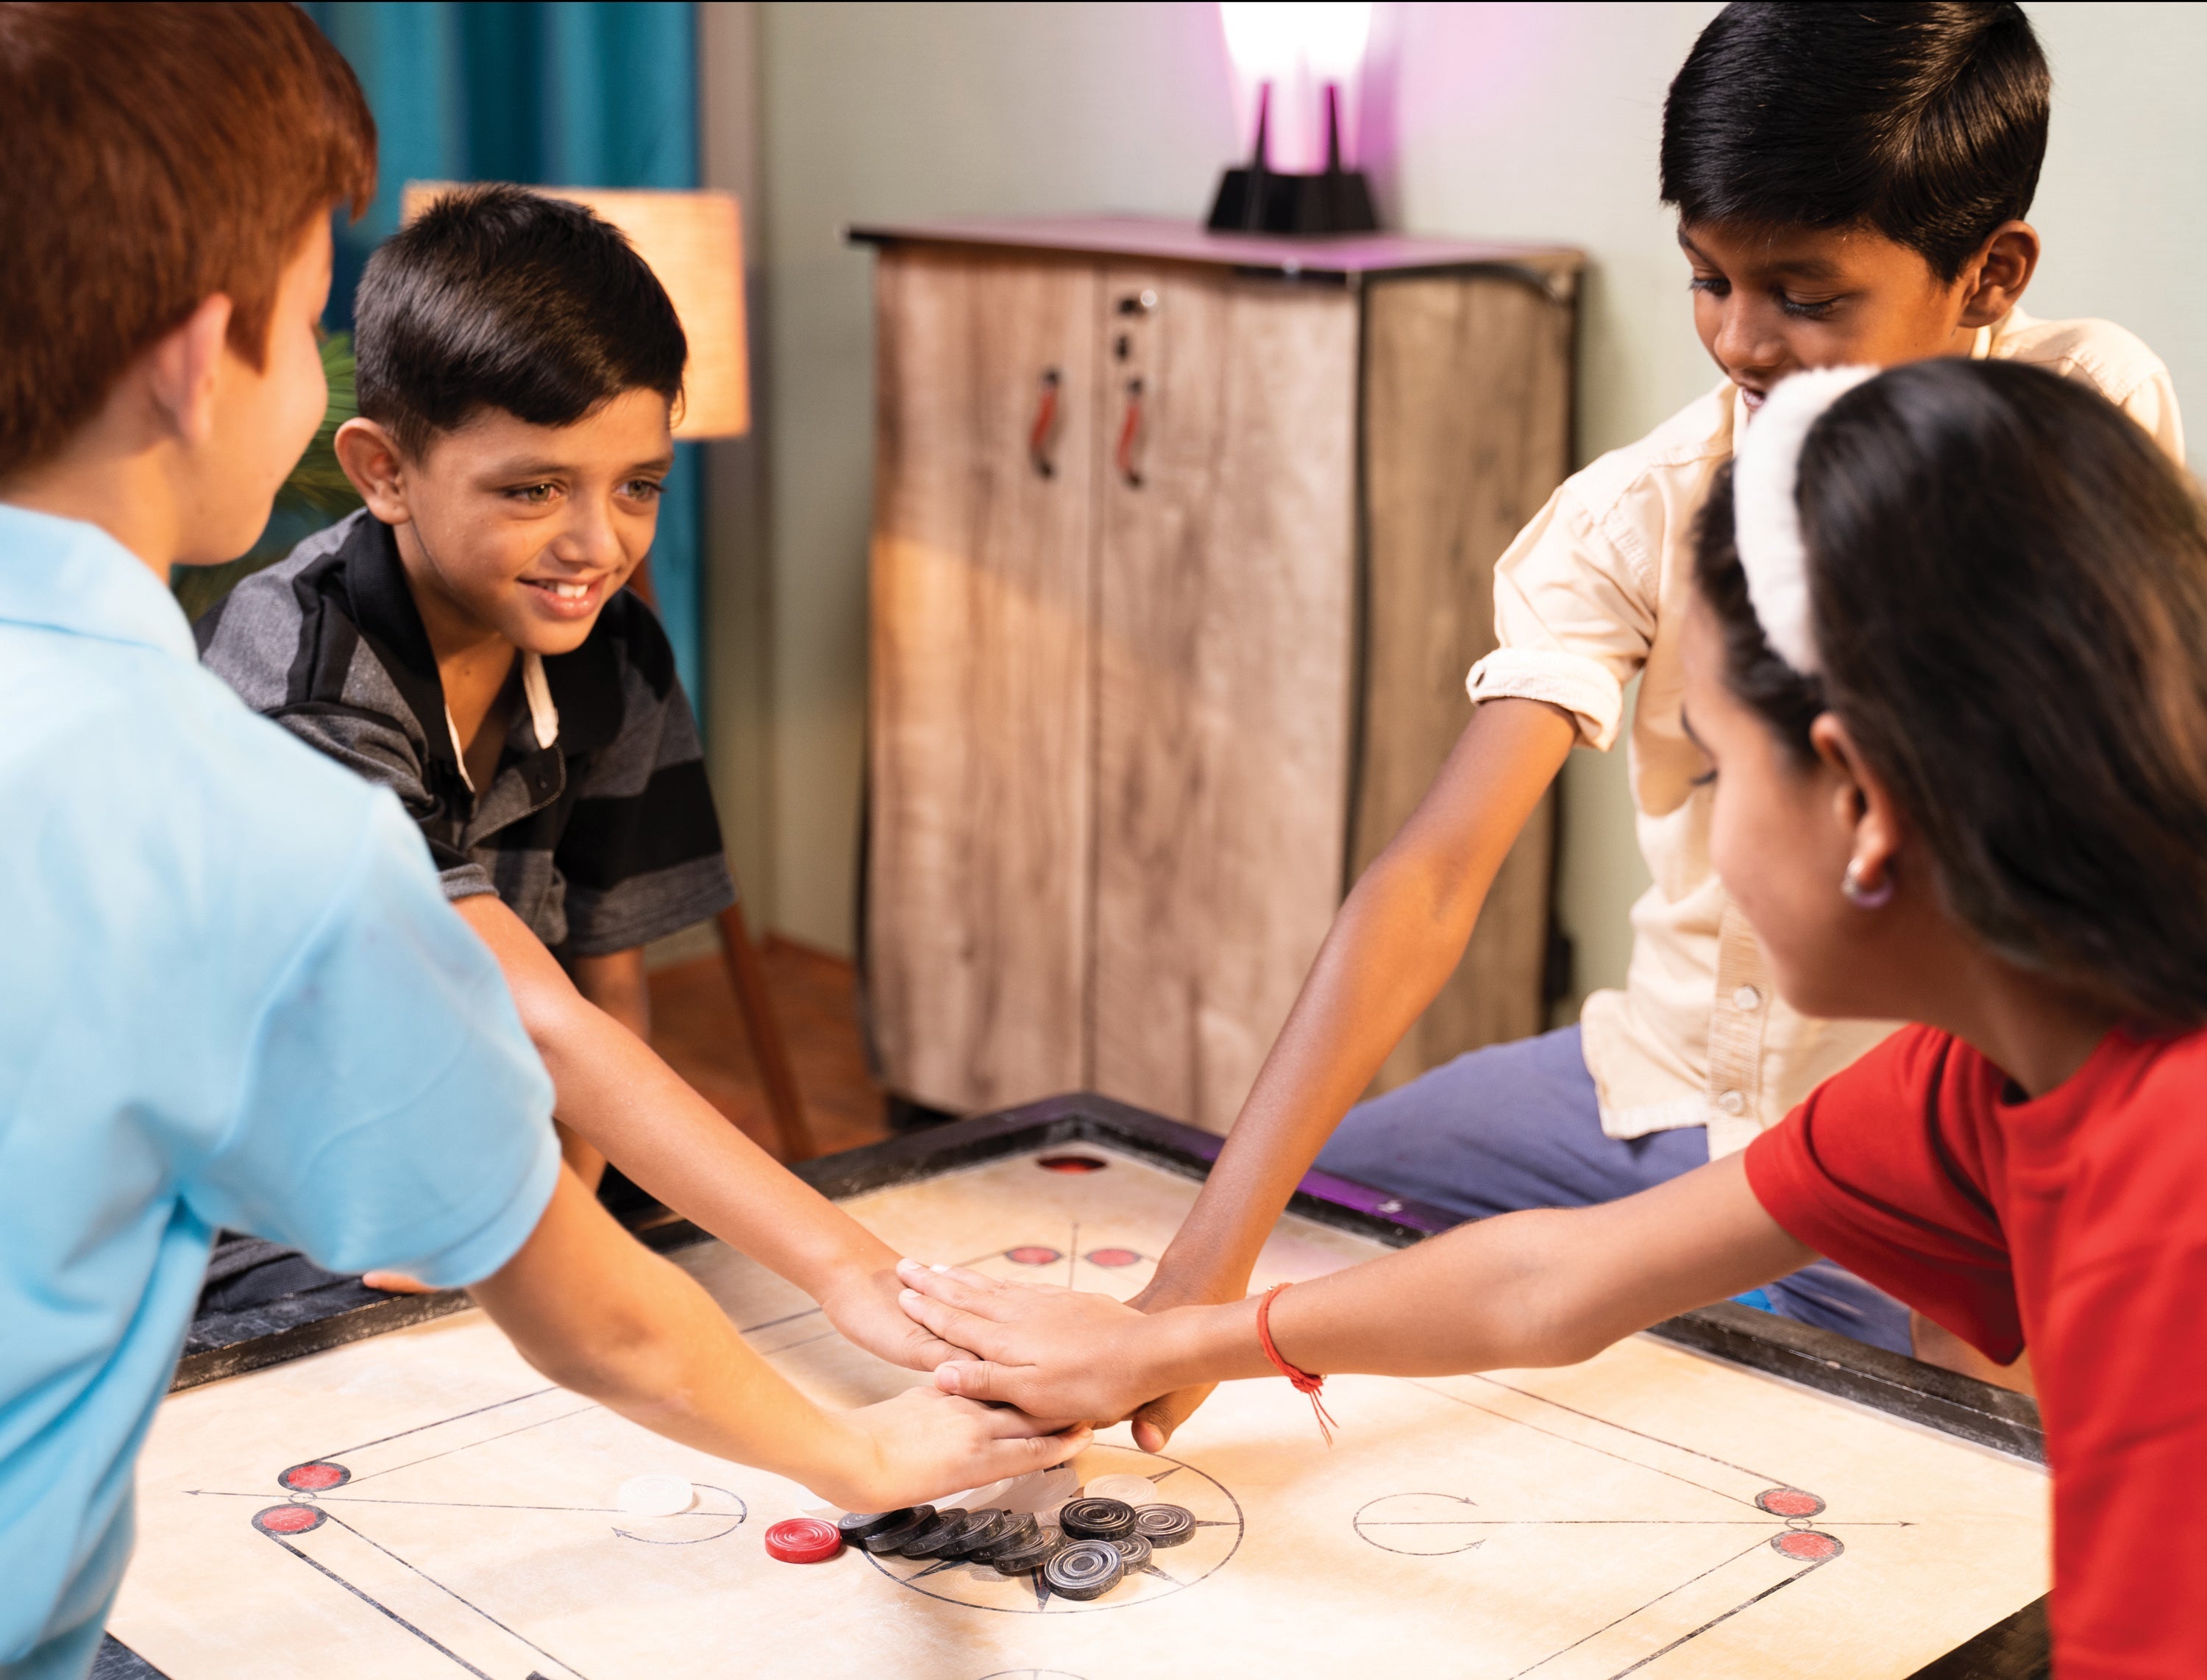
1789 1502
1033 1254
314 1477
289 1519
1111 1258
681 1529
1030 1674
1219 1528
1419 1525
1806 1545
1070 1163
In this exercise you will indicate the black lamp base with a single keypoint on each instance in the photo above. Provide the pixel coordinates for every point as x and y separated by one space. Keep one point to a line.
1258 200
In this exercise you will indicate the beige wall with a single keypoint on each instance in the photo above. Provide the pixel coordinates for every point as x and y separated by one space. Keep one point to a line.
1534 121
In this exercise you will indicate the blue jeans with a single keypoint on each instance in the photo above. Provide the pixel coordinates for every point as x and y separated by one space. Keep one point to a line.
1518 1126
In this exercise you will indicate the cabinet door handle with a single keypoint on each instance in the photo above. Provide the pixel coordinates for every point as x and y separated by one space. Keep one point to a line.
1043 432
1130 434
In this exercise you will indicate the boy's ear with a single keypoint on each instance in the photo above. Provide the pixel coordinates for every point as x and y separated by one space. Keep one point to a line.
1997 275
181 372
374 461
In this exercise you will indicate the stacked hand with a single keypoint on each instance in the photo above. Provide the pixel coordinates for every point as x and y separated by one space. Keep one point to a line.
1052 1353
863 1306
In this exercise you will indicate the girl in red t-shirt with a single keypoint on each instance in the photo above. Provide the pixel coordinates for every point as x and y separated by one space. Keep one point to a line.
1948 662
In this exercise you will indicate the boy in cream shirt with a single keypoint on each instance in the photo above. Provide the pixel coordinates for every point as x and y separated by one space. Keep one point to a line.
1869 217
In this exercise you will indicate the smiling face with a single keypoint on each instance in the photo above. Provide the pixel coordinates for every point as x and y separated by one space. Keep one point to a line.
1770 301
518 532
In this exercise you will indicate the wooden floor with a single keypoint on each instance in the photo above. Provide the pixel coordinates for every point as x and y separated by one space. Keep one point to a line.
694 1026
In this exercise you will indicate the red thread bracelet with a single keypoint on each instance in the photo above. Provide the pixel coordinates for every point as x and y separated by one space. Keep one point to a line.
1304 1381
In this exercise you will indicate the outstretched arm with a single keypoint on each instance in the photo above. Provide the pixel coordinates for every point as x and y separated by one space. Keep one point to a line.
1393 945
1538 1289
622 1100
595 1312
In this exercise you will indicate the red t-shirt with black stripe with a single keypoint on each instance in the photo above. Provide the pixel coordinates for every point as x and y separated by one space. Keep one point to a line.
2075 1224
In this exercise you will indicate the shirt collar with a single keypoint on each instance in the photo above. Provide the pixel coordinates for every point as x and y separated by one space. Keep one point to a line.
2013 321
584 685
67 575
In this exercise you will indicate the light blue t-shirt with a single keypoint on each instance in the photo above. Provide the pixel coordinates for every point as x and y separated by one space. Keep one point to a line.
231 994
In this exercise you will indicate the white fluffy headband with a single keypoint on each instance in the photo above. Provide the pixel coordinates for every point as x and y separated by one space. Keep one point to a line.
1767 510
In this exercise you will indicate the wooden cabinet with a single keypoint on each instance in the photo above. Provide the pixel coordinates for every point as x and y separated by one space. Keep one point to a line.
1182 547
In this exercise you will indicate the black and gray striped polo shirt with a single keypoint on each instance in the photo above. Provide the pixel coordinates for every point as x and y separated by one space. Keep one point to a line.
598 828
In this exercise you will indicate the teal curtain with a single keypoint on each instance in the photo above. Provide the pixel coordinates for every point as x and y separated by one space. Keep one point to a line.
567 95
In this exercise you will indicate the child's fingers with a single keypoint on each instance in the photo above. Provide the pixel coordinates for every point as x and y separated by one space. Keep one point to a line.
1010 1422
968 1290
953 1325
1154 1423
1019 1456
973 1379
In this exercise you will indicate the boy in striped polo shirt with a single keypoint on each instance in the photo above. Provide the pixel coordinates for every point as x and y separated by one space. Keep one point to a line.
465 640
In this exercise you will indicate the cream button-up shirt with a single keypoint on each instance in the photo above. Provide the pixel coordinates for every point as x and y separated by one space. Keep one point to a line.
1593 593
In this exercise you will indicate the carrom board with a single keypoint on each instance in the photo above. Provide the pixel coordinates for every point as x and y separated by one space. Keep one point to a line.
415 1504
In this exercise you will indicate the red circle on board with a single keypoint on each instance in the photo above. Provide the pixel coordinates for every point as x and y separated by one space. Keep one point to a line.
1070 1163
288 1519
1032 1256
803 1539
314 1478
1806 1545
1112 1257
1789 1502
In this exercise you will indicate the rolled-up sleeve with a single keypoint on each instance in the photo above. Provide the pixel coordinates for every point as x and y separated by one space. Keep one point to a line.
1574 614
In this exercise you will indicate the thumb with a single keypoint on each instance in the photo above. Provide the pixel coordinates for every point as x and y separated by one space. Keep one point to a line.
971 1379
1156 1422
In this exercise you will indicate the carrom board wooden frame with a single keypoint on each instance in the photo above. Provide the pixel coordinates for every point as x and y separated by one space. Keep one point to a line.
2015 1648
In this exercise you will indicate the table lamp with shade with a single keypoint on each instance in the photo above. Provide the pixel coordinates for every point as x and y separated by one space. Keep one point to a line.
693 242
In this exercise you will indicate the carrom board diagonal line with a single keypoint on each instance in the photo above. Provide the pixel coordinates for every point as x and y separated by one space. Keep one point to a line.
438 1423
1073 1257
1589 1446
1609 1423
1746 1603
1722 1562
381 1608
484 1441
455 1597
321 1499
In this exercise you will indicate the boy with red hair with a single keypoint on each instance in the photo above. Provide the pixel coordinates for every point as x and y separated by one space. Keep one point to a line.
231 993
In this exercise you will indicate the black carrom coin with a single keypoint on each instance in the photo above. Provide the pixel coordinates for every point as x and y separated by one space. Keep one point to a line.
916 1518
986 1528
859 1527
1096 1519
1031 1554
1019 1528
1165 1525
1133 1551
1084 1570
939 1536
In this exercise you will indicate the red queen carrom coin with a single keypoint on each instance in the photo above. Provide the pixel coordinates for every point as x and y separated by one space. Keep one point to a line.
803 1539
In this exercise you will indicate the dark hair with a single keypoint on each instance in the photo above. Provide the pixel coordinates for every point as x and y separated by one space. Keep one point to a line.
154 156
2008 580
501 298
1926 122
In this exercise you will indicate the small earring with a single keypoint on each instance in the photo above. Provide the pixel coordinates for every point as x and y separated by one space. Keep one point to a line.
1861 897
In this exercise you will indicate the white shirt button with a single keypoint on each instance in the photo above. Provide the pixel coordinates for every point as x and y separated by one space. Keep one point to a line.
1747 999
1732 1102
